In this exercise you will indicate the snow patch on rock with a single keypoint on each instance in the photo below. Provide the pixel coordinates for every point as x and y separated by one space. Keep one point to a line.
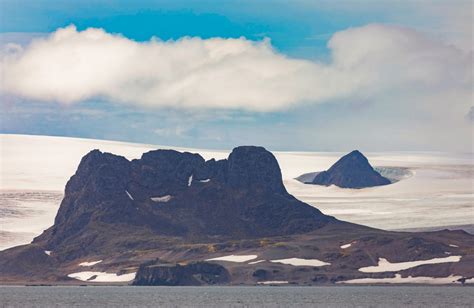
92 263
273 282
399 279
346 246
301 262
162 198
385 266
234 258
102 276
129 195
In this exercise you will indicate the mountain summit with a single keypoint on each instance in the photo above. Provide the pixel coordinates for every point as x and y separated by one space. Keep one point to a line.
351 171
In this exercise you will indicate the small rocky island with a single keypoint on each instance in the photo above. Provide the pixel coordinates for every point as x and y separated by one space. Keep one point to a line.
350 171
173 218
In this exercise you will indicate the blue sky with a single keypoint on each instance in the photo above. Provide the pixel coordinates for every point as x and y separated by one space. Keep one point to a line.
414 114
293 29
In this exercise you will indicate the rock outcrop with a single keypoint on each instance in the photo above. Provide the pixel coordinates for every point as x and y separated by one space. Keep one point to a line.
193 274
351 171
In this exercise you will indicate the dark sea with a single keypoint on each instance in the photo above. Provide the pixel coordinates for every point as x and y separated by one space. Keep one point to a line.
358 296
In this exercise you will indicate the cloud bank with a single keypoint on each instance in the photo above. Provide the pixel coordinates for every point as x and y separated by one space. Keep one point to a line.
369 63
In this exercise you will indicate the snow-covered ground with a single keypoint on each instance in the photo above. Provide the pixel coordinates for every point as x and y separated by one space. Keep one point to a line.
440 191
35 169
234 258
273 282
162 199
398 279
385 266
92 263
102 276
345 246
24 214
301 262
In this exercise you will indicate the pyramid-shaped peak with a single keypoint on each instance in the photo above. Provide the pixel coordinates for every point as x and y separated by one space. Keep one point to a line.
356 153
353 170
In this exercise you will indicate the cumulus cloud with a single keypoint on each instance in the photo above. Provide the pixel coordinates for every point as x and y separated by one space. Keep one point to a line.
367 62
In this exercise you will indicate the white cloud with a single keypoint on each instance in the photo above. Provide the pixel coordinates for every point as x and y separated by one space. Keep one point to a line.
450 21
390 56
368 62
455 20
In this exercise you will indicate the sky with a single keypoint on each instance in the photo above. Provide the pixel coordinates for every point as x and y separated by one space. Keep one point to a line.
298 76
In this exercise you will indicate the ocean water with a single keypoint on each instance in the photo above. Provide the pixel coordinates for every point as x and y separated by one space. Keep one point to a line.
127 296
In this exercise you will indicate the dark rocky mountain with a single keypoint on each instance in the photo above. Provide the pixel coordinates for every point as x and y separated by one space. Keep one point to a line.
351 171
160 217
169 193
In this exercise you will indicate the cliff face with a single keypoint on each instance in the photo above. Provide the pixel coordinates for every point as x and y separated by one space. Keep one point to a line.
193 274
351 171
169 193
